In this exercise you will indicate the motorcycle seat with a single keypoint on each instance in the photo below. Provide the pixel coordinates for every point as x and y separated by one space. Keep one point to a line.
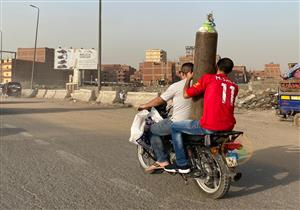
193 138
226 133
190 139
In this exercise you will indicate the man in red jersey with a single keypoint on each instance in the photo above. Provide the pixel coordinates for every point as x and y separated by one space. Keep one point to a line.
219 97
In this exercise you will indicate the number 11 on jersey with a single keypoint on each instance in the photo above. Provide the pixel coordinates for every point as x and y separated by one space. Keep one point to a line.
224 93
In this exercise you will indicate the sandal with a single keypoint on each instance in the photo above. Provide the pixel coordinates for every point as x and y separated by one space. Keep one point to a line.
153 167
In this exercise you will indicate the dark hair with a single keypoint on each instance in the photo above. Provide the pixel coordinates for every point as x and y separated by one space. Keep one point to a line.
187 67
225 65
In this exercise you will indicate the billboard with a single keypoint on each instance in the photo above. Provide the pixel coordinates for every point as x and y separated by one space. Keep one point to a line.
64 59
75 58
86 58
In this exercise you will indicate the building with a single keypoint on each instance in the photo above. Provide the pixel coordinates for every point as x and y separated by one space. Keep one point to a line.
110 73
43 55
187 58
124 73
190 50
239 74
116 73
189 55
136 77
44 74
6 67
156 55
270 72
153 73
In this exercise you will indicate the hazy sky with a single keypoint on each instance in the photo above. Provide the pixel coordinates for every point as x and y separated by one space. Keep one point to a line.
251 32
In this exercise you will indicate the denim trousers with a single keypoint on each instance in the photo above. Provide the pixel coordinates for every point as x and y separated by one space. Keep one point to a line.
191 127
162 128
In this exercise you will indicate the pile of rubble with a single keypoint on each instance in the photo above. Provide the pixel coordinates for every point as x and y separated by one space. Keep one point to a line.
263 99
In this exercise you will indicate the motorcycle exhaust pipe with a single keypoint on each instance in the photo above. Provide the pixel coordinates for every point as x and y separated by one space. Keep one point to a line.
237 176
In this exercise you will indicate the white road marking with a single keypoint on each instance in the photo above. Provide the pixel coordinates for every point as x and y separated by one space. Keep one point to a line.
39 141
9 126
254 187
281 175
26 134
70 157
136 190
23 133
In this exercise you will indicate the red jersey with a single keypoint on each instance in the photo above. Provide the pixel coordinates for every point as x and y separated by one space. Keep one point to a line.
219 97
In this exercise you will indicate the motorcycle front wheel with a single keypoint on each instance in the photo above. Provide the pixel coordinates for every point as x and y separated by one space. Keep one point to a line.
144 157
217 183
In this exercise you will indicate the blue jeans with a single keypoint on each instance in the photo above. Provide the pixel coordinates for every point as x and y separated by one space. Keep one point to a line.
191 127
162 128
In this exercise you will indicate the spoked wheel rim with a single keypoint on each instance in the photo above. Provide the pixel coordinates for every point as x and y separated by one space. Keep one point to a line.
208 185
144 158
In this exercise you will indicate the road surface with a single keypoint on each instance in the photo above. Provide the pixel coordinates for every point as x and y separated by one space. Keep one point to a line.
64 155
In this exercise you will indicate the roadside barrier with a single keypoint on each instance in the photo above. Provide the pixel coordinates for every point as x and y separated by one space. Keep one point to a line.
84 95
41 93
29 93
61 94
106 97
50 94
137 98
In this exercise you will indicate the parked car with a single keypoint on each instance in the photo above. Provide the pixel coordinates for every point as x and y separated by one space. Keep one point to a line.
12 89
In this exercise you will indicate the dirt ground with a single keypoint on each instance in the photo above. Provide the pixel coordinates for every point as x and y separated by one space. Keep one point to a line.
65 154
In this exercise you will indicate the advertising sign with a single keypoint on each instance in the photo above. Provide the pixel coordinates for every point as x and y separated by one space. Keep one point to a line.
65 59
86 59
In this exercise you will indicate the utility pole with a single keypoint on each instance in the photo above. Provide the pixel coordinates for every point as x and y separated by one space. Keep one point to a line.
99 45
204 59
1 76
35 41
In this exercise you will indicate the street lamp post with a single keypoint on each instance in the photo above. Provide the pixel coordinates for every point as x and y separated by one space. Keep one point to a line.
99 45
34 55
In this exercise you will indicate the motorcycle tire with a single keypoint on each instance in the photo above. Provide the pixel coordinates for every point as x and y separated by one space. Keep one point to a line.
219 189
145 160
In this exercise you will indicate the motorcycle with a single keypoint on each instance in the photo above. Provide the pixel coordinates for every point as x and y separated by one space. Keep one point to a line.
213 158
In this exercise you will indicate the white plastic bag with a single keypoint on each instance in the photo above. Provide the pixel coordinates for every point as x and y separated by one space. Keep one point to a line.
138 124
155 116
137 127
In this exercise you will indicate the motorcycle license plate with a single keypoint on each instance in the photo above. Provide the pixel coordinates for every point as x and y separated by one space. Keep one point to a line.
231 161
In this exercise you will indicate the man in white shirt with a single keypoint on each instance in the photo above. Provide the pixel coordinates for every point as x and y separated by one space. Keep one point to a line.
181 111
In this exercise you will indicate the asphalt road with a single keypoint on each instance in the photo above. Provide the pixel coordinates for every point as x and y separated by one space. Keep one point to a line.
61 155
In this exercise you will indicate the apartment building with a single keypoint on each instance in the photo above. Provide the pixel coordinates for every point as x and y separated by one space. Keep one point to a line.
153 73
271 72
6 65
156 55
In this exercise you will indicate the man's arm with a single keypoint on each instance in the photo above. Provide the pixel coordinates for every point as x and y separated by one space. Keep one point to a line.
163 98
197 88
187 86
154 102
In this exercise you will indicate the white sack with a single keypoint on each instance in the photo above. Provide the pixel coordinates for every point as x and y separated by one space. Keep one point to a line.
137 127
138 124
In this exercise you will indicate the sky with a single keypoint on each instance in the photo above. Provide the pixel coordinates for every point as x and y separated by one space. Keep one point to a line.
252 33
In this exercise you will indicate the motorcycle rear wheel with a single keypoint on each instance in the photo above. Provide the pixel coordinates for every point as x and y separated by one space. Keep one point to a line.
144 158
215 188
